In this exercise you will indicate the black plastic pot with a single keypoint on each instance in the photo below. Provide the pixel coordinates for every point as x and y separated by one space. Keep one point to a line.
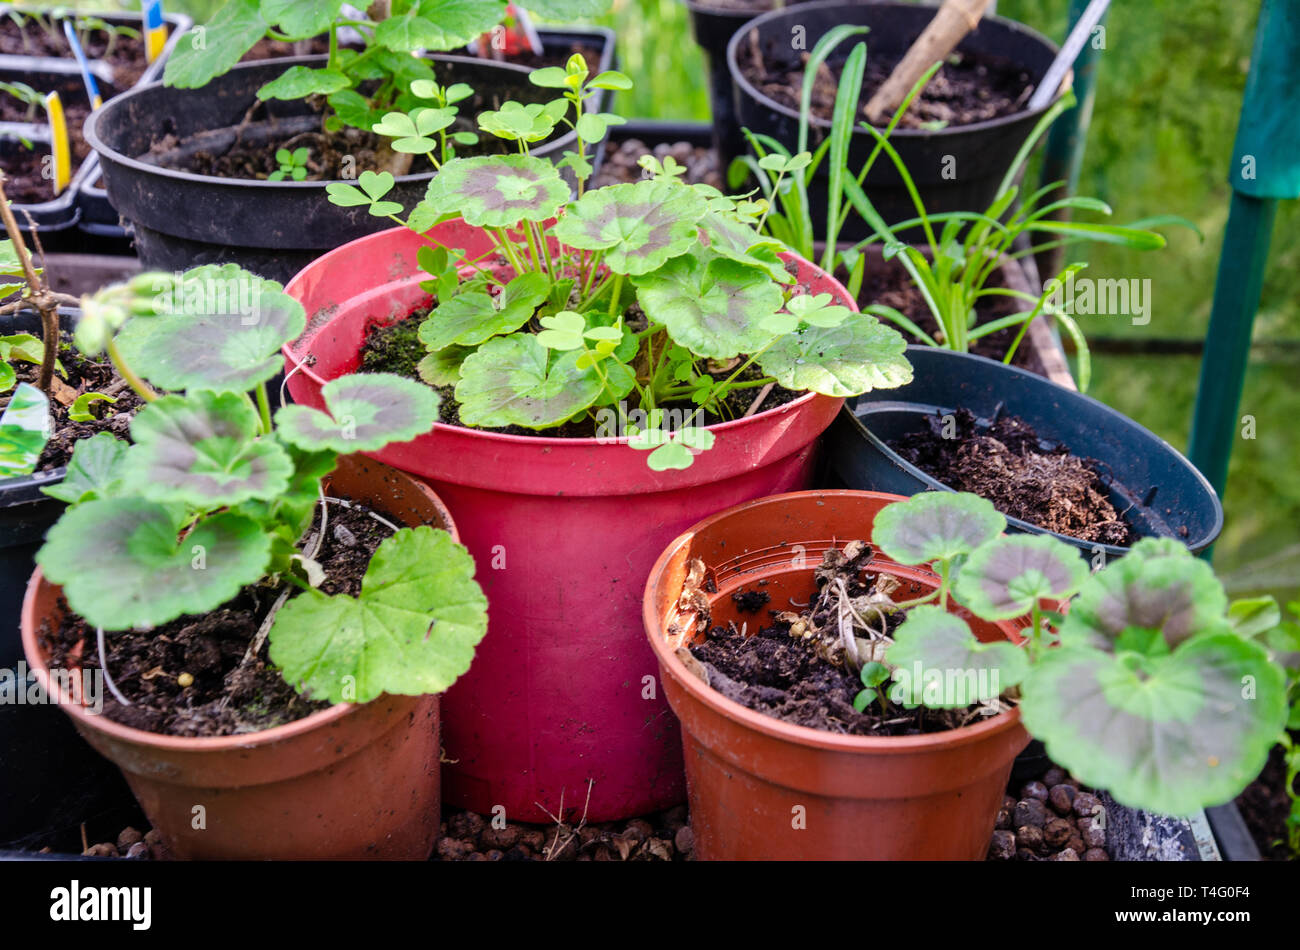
100 220
713 27
81 201
979 154
1157 489
274 229
50 779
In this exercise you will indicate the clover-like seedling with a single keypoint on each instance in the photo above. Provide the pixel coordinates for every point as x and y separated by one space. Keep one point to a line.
1155 692
873 675
293 164
655 292
212 494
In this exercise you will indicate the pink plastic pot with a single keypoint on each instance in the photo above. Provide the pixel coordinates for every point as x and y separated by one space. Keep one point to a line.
564 689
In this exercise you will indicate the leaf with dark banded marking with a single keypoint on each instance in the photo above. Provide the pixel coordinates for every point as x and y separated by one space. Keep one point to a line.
638 225
1006 577
202 449
366 411
711 305
497 191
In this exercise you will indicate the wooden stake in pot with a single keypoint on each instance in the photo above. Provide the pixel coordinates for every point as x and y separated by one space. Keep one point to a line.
949 27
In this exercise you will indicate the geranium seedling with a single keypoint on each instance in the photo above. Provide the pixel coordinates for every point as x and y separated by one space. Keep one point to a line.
634 293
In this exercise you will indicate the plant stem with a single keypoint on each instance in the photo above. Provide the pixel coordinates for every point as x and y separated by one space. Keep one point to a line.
45 305
142 389
264 408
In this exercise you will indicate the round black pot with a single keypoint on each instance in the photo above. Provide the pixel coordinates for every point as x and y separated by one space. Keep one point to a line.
978 154
274 229
1158 490
50 779
713 28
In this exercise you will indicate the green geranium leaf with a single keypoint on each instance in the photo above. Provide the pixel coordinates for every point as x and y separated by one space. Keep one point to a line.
438 25
206 52
298 82
639 225
353 109
145 573
936 526
512 380
301 20
730 238
1158 585
24 429
713 307
443 367
1169 733
95 470
218 327
940 664
412 630
568 10
202 449
1006 577
471 317
498 191
366 411
856 356
7 377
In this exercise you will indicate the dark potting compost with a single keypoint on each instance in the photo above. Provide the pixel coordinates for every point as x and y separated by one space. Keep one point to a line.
223 695
123 53
1265 806
396 348
970 87
1025 477
795 669
80 375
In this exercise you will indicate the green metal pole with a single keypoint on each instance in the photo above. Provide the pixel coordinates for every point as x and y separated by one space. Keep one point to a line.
1237 291
1063 154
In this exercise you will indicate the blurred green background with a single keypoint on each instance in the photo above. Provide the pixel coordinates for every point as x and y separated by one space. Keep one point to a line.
1169 87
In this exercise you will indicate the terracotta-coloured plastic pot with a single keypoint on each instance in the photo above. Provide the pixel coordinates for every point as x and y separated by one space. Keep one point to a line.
761 788
562 690
350 781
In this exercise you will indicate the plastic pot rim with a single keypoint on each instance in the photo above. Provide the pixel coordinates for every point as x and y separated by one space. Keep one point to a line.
744 85
90 131
1111 550
775 728
291 352
39 662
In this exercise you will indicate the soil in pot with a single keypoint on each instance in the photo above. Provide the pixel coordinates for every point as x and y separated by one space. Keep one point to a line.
794 669
127 59
700 162
25 167
1024 476
969 88
83 375
187 677
1265 806
1050 817
251 154
396 348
